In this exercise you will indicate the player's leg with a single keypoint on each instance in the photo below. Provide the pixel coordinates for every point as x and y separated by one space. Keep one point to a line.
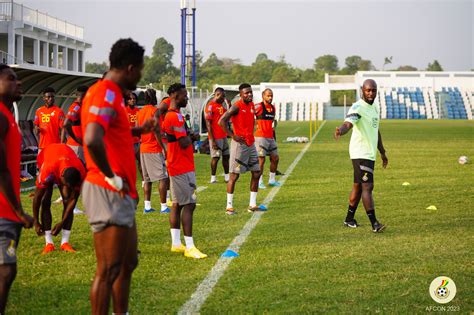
10 235
121 286
175 219
367 171
214 163
7 276
47 220
136 147
354 199
66 231
234 169
274 159
146 167
163 189
110 254
255 170
261 162
225 157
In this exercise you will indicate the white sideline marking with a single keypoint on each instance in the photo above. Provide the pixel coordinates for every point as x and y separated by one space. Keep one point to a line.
204 289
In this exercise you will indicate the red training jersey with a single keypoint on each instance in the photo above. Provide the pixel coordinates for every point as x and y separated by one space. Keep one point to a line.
53 160
103 104
178 160
12 143
214 112
132 119
243 123
265 115
50 121
74 116
149 143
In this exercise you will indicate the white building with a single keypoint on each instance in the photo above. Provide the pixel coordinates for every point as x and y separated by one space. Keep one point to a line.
33 38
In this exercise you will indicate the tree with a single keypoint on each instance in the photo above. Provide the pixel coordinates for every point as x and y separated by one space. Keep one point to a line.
406 68
326 63
356 63
435 66
159 63
388 60
94 67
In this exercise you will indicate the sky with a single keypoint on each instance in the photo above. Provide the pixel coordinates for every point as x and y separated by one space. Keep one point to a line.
413 32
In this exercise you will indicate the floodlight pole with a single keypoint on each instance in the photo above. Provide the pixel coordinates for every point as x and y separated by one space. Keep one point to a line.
183 41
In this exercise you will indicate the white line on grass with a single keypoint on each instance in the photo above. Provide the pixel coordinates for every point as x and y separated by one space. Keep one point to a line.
201 188
204 289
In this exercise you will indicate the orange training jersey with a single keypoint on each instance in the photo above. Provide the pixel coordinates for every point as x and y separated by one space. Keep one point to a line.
178 160
74 115
103 104
265 115
214 112
50 121
149 143
243 123
132 119
12 143
53 160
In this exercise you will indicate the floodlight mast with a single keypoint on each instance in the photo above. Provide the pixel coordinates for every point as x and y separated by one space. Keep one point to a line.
188 42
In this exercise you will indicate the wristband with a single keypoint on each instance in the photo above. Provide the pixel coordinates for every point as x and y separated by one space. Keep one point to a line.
115 181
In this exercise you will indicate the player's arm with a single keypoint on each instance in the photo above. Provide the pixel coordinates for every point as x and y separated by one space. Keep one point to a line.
147 127
381 149
68 129
6 186
38 197
36 129
157 131
224 123
94 141
69 202
342 130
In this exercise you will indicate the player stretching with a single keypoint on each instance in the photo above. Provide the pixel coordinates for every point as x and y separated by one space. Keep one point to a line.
243 154
217 136
58 165
151 154
12 216
180 162
363 116
109 193
265 137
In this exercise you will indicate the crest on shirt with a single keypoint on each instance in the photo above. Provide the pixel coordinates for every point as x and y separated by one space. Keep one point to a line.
180 117
76 107
109 96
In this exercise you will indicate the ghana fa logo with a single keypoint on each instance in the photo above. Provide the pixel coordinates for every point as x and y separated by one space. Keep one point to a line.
442 290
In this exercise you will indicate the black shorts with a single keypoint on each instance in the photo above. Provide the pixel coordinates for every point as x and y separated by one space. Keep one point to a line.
363 171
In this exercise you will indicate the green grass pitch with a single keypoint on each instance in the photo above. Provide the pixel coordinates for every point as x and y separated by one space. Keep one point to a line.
299 258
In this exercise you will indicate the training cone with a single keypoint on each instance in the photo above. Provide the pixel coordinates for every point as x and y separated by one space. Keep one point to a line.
406 184
432 208
230 253
262 207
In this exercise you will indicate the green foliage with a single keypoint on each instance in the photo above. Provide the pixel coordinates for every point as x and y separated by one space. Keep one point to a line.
406 68
356 63
435 66
337 97
326 63
95 67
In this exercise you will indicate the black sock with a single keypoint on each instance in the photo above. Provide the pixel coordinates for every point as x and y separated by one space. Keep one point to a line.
350 213
371 215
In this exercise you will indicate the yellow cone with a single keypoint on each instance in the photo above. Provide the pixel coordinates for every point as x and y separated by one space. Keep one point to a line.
432 208
406 184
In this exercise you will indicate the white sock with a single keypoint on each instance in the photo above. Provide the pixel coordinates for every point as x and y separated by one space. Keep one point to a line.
272 177
226 177
260 180
65 236
253 199
147 204
164 206
189 242
48 237
230 198
213 178
176 237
